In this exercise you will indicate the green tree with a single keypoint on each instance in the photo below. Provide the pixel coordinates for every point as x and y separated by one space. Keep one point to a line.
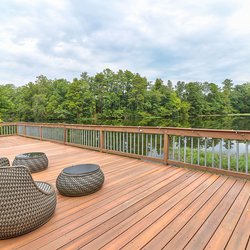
227 91
214 99
195 97
7 102
56 109
79 100
39 107
240 98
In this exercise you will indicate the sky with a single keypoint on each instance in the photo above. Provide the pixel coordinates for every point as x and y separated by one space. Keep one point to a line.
192 40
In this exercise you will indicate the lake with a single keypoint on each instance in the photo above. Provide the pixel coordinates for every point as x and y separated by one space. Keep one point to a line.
212 122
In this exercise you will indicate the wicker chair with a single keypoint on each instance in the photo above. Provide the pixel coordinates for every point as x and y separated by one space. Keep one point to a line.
4 162
25 204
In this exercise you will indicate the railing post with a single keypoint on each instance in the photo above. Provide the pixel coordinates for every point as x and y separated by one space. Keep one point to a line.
101 140
166 148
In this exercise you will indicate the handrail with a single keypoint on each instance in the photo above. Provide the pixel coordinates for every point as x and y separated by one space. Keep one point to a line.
195 132
220 151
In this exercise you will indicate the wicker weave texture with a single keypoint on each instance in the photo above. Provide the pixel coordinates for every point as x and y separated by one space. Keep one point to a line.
79 185
24 205
36 164
4 162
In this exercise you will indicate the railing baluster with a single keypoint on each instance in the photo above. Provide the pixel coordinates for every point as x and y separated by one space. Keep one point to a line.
88 137
198 151
92 138
228 154
120 141
151 144
82 137
127 142
113 141
116 138
213 153
146 144
123 140
156 152
105 139
134 143
192 150
142 145
185 148
85 137
205 156
130 143
110 140
138 143
246 168
161 146
96 138
173 148
179 148
237 156
220 163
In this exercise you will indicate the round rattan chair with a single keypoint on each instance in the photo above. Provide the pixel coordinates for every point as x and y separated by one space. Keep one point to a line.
25 204
4 162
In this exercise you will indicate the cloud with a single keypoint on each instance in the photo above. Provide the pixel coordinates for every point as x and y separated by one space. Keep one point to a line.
179 40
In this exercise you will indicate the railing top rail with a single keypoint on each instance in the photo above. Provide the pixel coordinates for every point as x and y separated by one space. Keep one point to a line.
7 123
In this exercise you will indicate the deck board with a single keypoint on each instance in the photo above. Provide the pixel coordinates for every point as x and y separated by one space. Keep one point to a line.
141 205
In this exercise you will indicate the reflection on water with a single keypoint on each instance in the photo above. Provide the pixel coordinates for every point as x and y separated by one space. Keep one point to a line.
215 122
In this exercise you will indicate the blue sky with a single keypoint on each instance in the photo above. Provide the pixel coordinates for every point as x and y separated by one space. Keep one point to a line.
190 40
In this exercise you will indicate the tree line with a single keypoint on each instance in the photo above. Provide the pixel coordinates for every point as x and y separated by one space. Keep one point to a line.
118 95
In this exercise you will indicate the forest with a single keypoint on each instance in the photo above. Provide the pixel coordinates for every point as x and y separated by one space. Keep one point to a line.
118 95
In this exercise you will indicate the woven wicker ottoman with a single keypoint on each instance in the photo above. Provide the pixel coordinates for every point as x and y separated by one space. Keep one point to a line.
80 180
35 161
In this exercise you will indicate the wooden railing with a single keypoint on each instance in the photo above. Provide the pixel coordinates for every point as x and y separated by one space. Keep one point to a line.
7 129
220 151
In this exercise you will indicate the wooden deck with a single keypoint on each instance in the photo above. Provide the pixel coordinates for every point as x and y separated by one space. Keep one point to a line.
141 205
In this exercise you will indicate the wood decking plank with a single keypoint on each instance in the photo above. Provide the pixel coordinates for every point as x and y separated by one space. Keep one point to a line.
170 199
72 215
241 234
220 237
77 210
155 234
110 224
203 235
189 230
141 204
136 200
